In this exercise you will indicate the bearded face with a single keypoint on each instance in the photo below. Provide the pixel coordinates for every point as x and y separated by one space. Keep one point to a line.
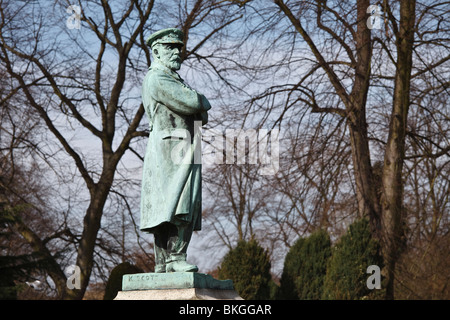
169 55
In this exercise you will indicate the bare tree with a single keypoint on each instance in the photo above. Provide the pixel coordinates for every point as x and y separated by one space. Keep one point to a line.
85 86
339 63
363 115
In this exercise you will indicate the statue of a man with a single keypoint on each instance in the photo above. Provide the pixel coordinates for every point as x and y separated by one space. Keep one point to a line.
171 190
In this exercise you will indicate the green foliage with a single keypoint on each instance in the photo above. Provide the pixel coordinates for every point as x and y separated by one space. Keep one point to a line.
274 290
7 286
248 266
305 267
291 271
15 268
8 290
346 271
114 284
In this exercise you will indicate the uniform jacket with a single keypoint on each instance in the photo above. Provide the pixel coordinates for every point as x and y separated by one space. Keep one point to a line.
171 189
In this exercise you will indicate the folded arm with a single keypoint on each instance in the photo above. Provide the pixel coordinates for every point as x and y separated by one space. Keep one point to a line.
177 96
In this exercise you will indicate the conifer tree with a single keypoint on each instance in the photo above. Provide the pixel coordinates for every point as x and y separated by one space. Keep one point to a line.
291 271
305 267
15 269
248 265
346 276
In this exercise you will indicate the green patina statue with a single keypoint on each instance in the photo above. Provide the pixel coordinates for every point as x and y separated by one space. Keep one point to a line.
171 188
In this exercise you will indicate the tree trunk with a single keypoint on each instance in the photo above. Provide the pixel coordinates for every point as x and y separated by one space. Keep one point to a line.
368 205
392 195
91 226
355 106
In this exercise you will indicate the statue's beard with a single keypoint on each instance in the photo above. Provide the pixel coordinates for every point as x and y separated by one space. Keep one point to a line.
173 64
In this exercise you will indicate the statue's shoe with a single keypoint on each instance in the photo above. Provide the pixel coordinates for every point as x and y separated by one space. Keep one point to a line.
180 266
160 268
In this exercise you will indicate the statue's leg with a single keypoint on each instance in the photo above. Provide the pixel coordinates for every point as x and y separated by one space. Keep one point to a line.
162 234
177 245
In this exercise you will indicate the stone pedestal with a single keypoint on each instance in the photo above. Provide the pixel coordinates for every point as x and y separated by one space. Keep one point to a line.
175 286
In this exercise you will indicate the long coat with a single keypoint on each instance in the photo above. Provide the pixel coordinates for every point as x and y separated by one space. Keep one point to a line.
171 184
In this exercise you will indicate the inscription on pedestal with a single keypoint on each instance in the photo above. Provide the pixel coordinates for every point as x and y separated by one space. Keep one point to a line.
140 277
174 280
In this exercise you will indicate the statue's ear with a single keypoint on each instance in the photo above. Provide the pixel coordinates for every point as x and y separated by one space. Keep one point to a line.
155 53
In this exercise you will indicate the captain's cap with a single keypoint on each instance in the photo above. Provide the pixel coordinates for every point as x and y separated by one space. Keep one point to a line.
170 35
